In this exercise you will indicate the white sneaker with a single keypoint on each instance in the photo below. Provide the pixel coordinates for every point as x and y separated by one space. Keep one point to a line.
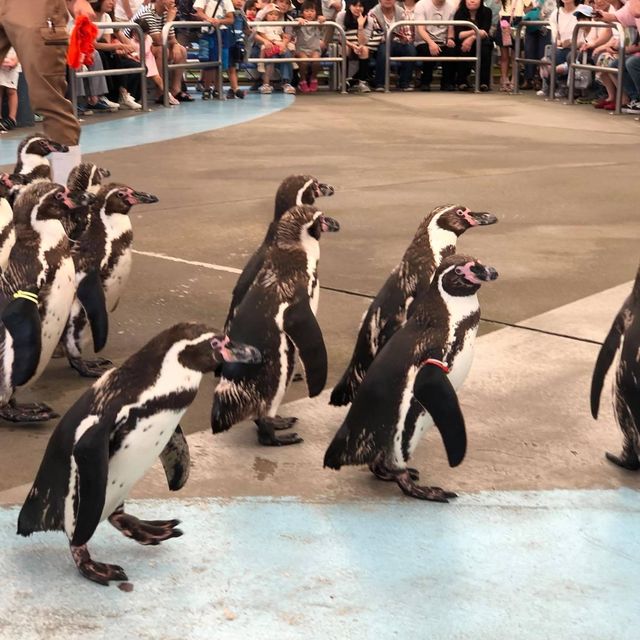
632 108
287 88
127 102
363 87
266 88
114 105
541 92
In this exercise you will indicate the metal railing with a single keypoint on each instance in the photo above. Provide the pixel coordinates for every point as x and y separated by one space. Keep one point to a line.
455 23
540 63
573 65
167 67
142 70
342 60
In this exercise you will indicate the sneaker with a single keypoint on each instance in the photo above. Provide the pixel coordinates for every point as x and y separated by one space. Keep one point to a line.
127 102
7 124
207 94
632 108
240 94
313 86
114 105
83 111
303 86
102 107
409 88
541 92
265 88
231 94
379 89
363 87
562 92
484 88
287 88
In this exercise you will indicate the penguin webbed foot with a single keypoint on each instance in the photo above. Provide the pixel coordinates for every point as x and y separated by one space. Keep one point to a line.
432 494
381 472
27 412
267 428
145 532
91 368
99 572
626 460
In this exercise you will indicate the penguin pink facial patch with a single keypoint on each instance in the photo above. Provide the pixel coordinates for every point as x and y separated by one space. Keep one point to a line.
468 273
466 214
220 346
130 198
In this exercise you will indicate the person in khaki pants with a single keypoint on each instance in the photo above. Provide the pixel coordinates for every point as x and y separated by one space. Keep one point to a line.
37 30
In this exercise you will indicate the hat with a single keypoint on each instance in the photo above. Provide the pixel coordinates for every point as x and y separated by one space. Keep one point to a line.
269 8
583 10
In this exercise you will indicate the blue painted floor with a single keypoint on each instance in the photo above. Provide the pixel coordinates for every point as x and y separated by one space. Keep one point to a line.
560 565
165 124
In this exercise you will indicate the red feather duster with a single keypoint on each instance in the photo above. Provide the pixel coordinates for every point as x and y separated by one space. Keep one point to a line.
81 47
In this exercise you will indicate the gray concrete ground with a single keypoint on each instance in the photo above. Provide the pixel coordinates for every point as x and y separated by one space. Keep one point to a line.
563 183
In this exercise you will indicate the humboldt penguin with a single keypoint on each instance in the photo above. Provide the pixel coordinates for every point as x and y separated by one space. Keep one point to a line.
32 162
412 383
626 385
102 253
41 257
293 191
7 231
113 434
276 317
435 239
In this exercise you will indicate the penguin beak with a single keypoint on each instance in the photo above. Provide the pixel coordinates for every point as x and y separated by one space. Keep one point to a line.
5 179
324 189
484 273
81 198
235 351
140 197
54 146
483 218
329 224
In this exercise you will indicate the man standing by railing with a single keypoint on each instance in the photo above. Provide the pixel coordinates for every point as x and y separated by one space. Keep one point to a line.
37 29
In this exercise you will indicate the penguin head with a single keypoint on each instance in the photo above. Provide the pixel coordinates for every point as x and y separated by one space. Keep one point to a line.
207 353
298 190
87 177
44 200
39 145
460 275
457 218
302 221
118 198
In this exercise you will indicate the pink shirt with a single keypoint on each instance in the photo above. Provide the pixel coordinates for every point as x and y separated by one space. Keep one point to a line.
626 18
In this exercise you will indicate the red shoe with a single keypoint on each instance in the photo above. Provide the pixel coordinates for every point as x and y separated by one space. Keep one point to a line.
313 86
599 104
609 106
303 86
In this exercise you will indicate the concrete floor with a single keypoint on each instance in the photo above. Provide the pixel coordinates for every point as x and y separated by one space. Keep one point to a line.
562 181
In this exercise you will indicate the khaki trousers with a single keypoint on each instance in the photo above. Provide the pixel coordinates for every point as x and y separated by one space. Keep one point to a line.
37 31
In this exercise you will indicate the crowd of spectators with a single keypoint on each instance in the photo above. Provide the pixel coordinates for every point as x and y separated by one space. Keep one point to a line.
366 26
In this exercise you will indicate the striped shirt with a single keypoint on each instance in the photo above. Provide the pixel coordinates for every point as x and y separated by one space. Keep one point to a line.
150 21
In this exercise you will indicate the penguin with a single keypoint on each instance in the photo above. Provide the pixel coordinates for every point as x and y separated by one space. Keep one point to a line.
112 435
626 386
293 191
412 383
276 317
86 177
102 259
41 257
32 161
7 231
435 239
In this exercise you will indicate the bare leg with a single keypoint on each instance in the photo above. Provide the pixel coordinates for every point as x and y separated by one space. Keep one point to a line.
97 571
147 532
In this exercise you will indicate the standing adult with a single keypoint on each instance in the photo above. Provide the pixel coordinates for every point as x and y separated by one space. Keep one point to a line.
38 32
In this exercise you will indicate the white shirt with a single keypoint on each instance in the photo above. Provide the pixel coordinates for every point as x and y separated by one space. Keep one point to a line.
426 10
119 13
209 6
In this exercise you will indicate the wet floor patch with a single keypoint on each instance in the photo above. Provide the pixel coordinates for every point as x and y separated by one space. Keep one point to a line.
557 564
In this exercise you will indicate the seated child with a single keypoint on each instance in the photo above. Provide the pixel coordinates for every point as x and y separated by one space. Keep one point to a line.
9 74
274 43
309 45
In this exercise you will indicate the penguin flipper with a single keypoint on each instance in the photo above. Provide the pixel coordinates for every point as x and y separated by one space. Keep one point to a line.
90 294
606 355
434 391
301 326
244 282
176 460
21 319
91 454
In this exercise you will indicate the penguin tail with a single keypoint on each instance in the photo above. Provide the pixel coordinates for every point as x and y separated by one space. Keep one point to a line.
344 392
38 515
336 453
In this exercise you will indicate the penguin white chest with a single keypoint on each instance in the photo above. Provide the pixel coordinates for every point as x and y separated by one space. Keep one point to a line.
137 453
7 232
283 362
117 279
312 249
55 311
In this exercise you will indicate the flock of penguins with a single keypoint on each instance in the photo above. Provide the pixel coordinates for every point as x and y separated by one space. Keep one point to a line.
65 255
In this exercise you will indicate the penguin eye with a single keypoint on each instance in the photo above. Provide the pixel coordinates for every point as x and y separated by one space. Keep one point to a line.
59 195
460 212
459 270
122 194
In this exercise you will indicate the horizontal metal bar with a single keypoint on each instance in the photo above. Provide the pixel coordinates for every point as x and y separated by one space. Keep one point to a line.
432 59
594 67
110 72
540 63
196 64
281 60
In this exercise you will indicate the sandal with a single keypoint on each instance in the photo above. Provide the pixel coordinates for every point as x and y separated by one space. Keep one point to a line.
183 97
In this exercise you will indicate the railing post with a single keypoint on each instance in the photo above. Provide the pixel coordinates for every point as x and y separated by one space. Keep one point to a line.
621 60
478 54
73 88
387 55
344 64
165 64
143 74
572 61
219 76
517 47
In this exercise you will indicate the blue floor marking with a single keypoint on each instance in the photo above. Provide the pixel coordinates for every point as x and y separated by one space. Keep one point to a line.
166 124
504 565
